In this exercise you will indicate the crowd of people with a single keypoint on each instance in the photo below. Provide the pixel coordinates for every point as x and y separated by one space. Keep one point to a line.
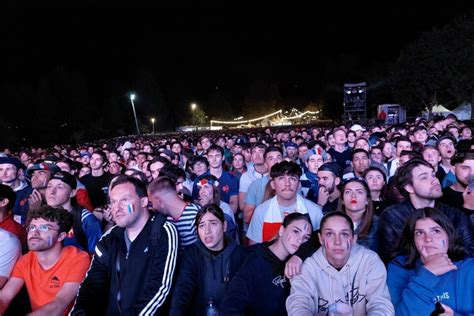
299 220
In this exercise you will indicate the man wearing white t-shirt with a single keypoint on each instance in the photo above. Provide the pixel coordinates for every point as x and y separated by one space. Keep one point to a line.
268 216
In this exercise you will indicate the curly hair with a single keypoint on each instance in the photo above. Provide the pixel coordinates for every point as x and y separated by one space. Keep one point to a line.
62 217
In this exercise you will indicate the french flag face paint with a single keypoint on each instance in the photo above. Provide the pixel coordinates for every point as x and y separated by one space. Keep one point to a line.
348 245
130 208
444 243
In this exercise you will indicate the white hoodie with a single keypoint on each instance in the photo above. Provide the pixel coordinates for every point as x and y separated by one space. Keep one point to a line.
362 283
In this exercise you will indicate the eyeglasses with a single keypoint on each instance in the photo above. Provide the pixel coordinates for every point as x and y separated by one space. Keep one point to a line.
41 228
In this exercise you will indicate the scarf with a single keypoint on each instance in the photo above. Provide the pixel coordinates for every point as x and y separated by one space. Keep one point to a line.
273 218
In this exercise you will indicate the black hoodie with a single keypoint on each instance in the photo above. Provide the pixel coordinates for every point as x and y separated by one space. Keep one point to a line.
259 287
202 275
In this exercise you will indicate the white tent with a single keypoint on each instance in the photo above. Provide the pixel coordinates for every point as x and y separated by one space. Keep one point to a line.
440 110
463 112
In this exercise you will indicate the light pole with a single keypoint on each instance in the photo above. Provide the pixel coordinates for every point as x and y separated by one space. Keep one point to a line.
132 97
153 124
193 107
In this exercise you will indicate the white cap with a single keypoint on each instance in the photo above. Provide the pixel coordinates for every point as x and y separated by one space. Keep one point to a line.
357 127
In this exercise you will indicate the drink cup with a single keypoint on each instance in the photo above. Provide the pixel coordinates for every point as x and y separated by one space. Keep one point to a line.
340 309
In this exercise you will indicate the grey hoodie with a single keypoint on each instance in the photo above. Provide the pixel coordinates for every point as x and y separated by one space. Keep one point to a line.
361 283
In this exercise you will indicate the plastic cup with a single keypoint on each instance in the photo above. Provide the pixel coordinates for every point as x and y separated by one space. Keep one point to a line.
340 309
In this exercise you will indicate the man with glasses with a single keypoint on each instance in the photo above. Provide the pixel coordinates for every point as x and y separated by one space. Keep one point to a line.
51 272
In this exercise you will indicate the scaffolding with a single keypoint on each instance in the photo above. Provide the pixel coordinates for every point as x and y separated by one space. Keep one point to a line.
355 106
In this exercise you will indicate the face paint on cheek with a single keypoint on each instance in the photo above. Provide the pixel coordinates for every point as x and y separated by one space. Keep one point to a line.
130 208
326 243
50 241
444 243
348 244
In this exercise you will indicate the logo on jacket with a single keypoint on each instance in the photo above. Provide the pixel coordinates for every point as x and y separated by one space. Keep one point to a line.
225 188
279 281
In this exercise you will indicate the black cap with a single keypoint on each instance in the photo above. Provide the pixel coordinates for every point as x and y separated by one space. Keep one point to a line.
333 167
66 178
13 161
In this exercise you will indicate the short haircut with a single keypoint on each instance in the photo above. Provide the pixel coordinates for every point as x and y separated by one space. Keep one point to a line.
199 159
162 184
259 145
63 218
7 192
411 153
285 168
140 187
161 159
172 171
402 139
215 147
404 175
101 154
461 156
359 150
272 149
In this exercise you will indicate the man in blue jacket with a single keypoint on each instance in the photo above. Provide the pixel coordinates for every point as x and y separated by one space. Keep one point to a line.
134 262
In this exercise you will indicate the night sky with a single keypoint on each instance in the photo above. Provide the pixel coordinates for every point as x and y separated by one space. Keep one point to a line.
193 51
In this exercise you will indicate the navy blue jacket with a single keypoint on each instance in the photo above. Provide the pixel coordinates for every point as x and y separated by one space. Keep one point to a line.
202 275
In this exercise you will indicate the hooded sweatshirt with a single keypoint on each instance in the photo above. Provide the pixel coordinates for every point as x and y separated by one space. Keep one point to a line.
361 282
203 275
259 287
414 291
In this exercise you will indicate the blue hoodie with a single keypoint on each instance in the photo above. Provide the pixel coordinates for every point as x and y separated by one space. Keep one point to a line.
415 291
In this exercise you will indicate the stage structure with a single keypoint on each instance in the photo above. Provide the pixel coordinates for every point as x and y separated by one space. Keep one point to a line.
355 106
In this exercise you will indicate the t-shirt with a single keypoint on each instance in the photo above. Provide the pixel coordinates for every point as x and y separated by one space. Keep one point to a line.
16 229
97 188
452 198
342 159
228 185
43 285
247 178
10 252
185 225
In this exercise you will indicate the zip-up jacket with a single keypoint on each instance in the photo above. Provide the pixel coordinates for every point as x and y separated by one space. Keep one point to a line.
133 282
203 275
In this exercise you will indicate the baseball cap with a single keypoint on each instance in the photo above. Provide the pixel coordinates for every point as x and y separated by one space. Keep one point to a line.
66 178
357 127
332 167
290 144
13 161
44 165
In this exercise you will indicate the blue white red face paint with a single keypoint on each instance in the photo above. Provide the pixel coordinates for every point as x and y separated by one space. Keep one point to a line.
130 208
444 243
50 241
348 245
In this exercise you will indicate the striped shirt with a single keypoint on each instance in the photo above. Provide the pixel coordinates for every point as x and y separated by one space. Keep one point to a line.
186 226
